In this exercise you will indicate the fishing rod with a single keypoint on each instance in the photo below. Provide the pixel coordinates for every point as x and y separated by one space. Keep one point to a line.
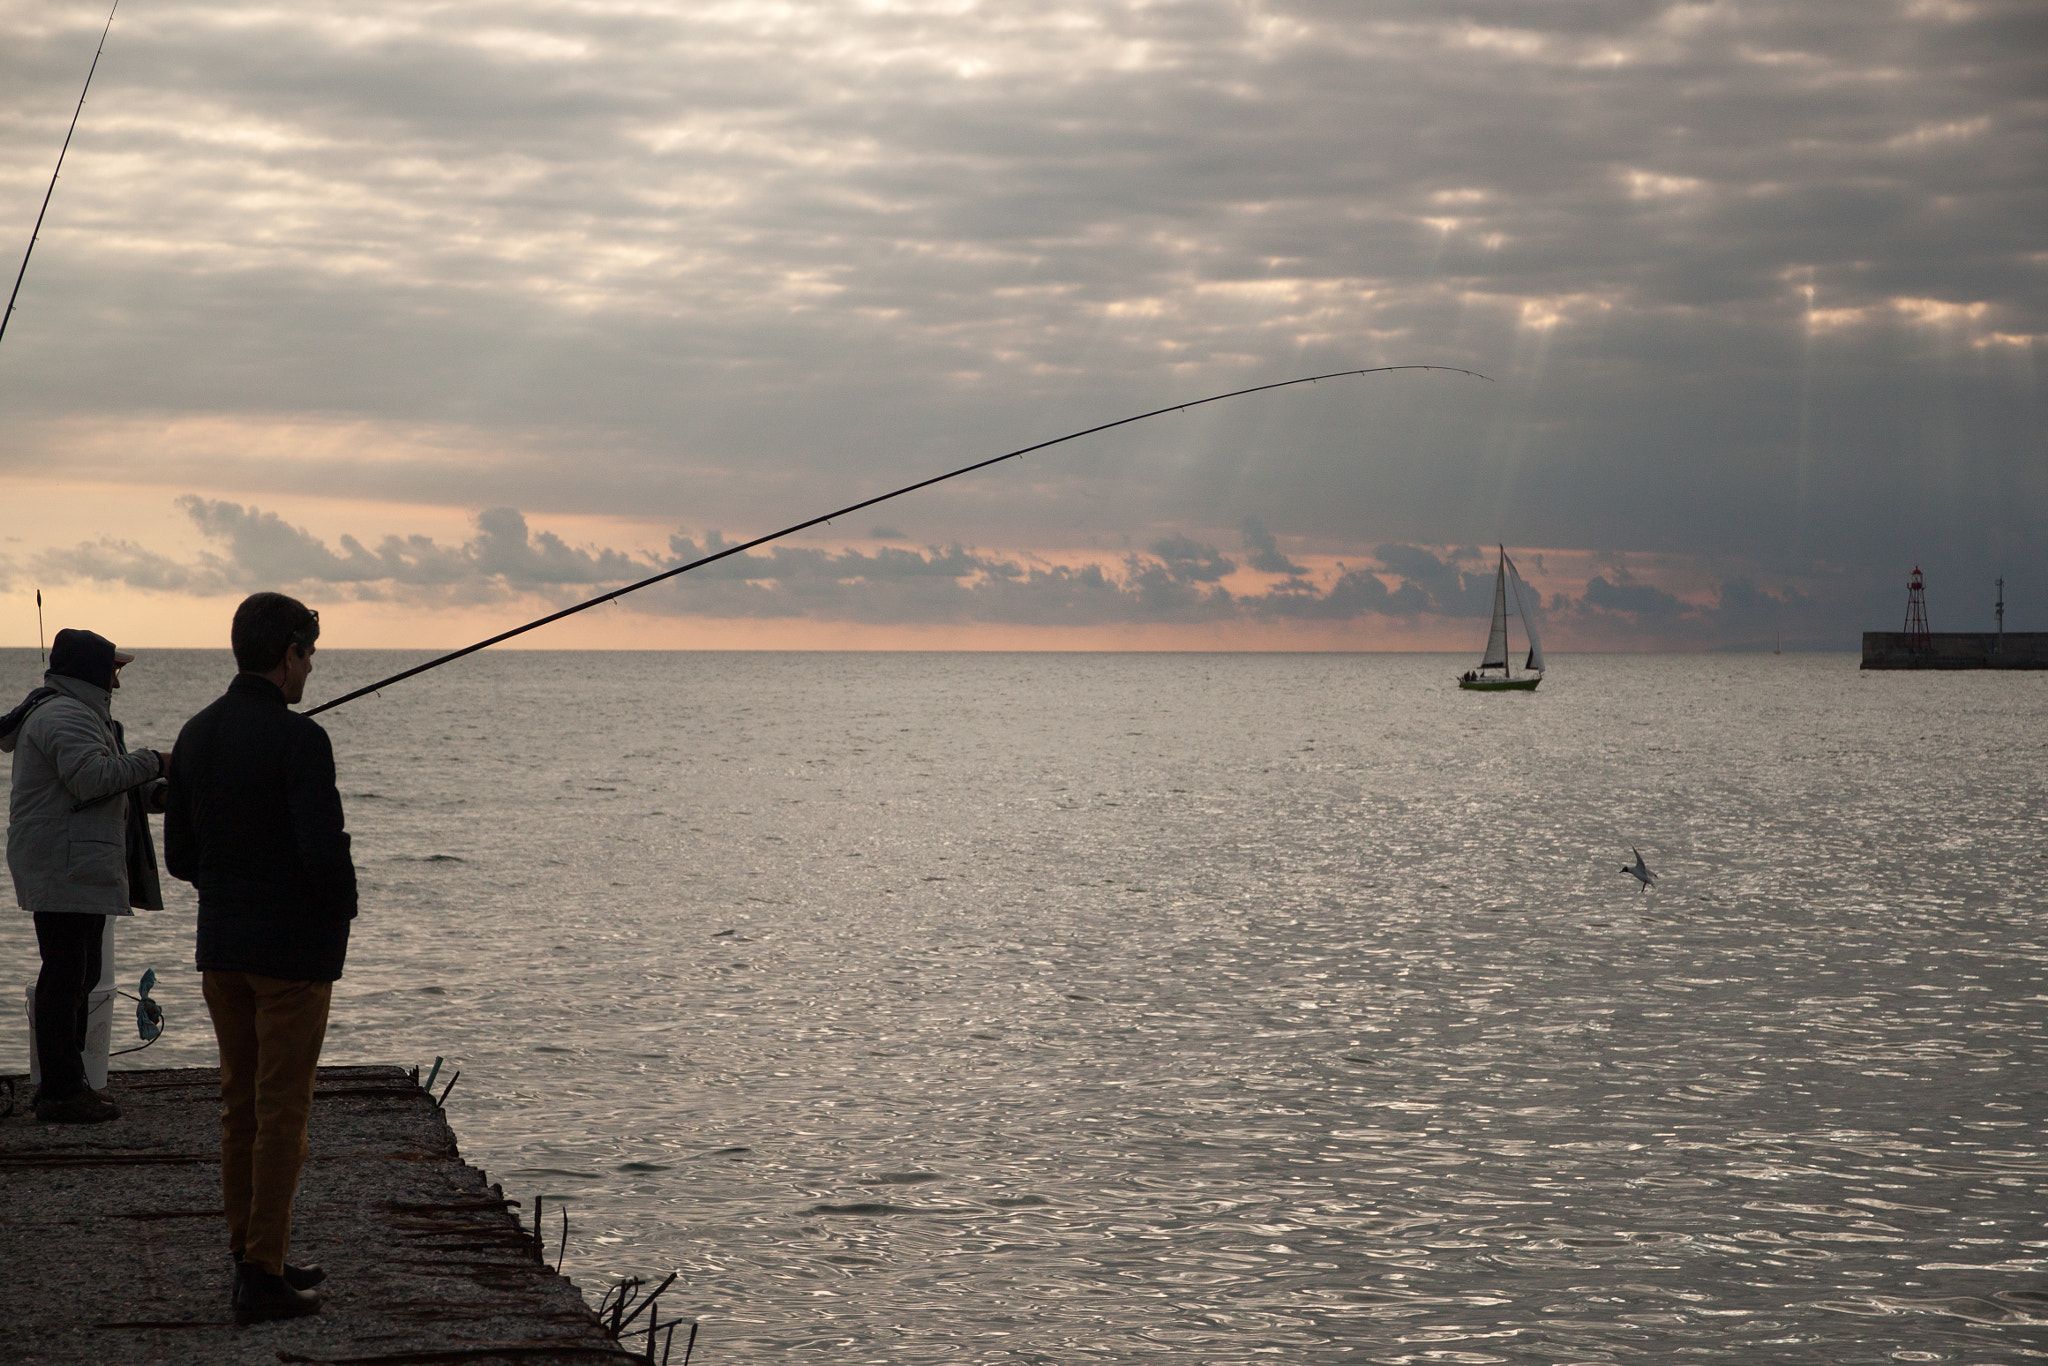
39 629
618 593
53 175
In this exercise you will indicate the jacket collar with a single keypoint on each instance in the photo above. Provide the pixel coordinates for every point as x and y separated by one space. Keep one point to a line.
94 696
256 685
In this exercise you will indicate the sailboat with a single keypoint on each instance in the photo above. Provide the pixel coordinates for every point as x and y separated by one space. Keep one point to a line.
1507 584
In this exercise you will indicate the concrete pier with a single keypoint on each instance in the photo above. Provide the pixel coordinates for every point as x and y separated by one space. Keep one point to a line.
113 1247
1957 650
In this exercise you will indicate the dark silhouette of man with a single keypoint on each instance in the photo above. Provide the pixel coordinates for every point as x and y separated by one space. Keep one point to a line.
255 823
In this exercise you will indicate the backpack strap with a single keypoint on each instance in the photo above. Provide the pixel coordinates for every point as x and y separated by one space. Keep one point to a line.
11 722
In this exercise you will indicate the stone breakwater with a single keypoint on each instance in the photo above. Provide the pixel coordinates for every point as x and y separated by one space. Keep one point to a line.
113 1247
1957 650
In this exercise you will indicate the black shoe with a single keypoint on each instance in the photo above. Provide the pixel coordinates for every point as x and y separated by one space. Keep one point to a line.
81 1107
261 1297
303 1277
297 1277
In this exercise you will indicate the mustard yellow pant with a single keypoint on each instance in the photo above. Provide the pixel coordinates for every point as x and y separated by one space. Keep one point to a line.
270 1031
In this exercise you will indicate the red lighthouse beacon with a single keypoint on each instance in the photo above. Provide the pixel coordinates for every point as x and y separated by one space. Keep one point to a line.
1917 637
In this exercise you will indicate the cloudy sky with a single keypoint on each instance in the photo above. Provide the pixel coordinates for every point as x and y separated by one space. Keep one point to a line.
442 314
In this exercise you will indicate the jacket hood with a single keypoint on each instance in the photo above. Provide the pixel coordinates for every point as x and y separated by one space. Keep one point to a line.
87 655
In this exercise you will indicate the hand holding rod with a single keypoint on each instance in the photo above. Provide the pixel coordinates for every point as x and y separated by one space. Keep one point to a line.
617 593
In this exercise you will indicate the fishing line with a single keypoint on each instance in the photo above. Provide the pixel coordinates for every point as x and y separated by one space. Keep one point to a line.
618 593
53 175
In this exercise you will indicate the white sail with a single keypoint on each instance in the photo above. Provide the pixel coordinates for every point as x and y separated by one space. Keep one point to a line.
1496 656
1525 604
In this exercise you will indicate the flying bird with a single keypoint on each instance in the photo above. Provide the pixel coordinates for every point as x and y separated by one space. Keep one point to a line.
1640 870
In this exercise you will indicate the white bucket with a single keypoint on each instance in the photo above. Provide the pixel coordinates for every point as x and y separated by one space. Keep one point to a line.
99 1019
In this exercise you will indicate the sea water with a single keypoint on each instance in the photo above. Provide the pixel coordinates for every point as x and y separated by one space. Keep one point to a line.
1210 1008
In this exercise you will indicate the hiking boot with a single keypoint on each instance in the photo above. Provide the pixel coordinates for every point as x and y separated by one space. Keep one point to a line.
80 1107
261 1297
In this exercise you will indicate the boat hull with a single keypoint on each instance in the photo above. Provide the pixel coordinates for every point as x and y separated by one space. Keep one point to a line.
1500 684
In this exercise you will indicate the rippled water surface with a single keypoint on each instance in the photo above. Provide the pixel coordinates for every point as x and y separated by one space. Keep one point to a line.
1214 1008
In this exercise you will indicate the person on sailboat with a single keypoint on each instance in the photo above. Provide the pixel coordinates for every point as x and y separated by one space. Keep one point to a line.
1507 587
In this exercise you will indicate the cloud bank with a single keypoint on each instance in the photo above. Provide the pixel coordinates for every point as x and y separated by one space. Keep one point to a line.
1178 580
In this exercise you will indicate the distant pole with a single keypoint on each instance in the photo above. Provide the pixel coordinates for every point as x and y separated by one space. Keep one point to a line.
2001 616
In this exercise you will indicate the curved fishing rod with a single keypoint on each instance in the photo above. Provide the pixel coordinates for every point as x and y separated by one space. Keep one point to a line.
618 593
53 175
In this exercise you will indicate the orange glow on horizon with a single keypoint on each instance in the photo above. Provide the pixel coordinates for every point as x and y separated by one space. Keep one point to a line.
146 621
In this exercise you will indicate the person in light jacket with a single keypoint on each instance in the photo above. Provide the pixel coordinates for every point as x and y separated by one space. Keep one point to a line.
78 848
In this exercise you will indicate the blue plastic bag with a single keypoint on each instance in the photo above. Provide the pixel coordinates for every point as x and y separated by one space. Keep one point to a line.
149 1016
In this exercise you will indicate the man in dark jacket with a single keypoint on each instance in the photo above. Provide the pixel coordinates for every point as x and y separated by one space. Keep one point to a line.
255 823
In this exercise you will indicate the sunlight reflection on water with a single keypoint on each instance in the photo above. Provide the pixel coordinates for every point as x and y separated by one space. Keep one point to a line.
1067 1008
